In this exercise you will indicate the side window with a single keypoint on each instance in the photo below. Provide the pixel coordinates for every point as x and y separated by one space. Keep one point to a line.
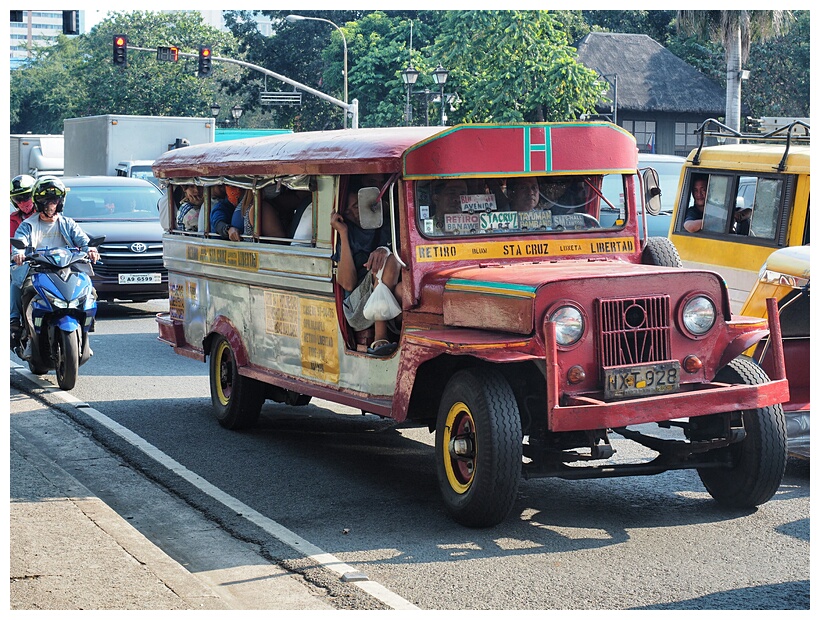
766 209
748 206
718 203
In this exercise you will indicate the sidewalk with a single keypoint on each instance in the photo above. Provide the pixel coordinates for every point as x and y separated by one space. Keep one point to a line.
69 550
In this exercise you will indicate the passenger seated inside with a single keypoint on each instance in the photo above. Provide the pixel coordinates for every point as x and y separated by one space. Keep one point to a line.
221 213
741 217
563 195
445 199
188 211
293 210
523 193
360 255
244 215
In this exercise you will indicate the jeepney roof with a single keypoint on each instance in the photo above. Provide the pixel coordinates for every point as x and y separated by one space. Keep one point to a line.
344 151
753 157
417 152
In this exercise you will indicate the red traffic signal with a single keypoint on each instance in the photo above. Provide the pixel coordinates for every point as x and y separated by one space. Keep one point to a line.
120 50
204 60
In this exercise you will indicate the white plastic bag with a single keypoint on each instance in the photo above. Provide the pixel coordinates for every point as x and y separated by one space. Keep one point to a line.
381 305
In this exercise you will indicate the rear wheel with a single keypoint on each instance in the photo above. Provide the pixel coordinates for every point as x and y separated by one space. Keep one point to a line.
237 400
67 364
478 448
759 461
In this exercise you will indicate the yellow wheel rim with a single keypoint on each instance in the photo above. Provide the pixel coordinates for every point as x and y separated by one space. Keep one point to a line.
460 448
224 372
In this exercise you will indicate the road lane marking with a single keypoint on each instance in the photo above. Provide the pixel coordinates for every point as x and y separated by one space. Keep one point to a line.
304 547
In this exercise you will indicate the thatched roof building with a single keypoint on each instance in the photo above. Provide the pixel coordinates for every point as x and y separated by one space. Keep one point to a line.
660 98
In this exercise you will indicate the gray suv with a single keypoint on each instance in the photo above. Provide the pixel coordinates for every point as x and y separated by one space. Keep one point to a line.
125 211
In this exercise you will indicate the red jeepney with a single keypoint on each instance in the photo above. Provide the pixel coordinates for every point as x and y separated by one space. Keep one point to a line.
529 332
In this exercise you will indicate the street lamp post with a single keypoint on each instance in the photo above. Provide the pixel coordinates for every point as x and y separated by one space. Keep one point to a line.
236 112
440 75
409 77
292 19
215 108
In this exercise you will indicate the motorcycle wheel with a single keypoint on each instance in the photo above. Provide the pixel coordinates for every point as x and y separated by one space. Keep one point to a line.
68 359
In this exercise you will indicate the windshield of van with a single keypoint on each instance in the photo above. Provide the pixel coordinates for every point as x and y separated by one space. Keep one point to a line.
469 206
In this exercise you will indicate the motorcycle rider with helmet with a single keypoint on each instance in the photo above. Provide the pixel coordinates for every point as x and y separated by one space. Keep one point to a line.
20 195
47 227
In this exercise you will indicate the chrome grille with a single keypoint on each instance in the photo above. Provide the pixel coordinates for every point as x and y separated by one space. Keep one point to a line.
119 258
634 330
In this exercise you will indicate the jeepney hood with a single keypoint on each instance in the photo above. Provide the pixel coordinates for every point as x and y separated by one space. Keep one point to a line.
512 297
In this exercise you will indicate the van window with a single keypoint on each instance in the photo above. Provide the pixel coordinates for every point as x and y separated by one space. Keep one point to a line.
746 205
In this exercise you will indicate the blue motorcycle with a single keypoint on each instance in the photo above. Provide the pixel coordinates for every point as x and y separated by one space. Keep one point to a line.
59 308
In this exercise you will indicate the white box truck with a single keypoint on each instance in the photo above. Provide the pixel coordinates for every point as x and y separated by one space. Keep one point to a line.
36 154
123 145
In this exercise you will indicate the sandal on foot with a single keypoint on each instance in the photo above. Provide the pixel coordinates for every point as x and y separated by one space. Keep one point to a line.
381 348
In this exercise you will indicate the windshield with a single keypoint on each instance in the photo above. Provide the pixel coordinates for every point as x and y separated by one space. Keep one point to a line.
130 202
144 172
457 206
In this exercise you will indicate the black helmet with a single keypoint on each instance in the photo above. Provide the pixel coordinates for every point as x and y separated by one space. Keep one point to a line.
48 187
21 186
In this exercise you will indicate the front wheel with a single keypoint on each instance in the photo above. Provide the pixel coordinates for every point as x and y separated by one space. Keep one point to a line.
67 362
662 252
757 463
236 399
478 448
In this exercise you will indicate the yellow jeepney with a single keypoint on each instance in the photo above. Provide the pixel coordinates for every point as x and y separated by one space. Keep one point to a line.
756 201
786 276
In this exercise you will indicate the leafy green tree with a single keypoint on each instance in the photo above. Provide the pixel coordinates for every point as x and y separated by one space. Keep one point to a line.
76 76
514 66
46 91
779 73
149 87
735 30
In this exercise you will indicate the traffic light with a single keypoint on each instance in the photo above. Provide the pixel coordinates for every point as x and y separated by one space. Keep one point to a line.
120 50
204 60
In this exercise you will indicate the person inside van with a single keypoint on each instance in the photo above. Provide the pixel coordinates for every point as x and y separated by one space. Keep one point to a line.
188 212
693 221
360 255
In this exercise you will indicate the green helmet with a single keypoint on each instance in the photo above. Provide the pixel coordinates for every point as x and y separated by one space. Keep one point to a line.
21 187
48 187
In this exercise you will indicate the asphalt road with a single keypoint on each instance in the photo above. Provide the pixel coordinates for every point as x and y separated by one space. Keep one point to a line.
364 491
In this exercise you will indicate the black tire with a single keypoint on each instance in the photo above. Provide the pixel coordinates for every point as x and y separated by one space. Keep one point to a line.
67 364
36 369
479 485
237 400
760 459
662 252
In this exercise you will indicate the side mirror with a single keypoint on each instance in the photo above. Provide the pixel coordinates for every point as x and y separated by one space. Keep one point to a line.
18 243
652 191
93 242
371 216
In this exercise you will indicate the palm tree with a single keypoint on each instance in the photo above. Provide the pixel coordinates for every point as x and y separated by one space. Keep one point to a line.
734 30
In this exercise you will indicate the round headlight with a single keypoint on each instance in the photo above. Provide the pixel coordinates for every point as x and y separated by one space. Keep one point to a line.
699 315
569 325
